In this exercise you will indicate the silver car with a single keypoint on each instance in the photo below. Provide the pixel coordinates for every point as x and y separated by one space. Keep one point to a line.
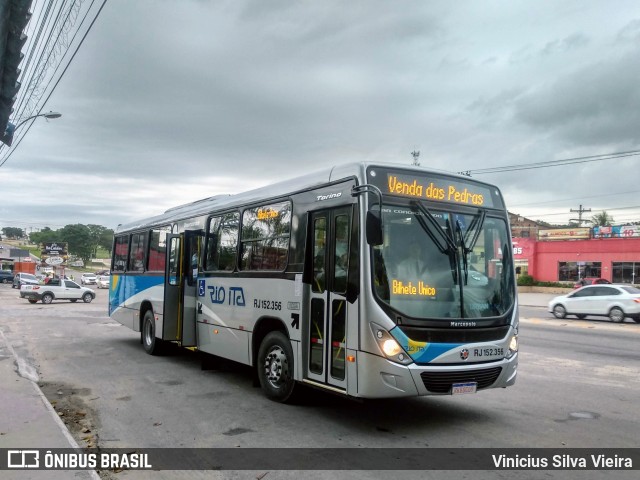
88 279
103 281
614 301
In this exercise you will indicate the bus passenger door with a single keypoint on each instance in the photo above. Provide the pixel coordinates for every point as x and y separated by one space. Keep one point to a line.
191 260
179 319
327 320
172 288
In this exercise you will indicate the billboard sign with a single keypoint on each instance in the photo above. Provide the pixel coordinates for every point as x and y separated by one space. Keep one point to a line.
54 253
617 231
578 233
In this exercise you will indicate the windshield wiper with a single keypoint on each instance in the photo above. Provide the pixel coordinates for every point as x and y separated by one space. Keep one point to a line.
476 223
448 246
445 244
465 251
465 245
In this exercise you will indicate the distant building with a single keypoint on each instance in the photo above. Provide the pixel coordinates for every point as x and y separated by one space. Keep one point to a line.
522 227
568 254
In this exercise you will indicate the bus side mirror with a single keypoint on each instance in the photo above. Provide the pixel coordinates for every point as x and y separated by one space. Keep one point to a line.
374 229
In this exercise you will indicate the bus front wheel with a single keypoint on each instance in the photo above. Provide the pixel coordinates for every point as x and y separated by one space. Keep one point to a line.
151 344
275 367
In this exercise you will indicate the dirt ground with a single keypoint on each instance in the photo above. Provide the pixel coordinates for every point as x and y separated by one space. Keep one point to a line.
73 407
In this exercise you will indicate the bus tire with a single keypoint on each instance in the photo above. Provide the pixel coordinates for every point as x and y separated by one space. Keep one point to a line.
275 367
151 344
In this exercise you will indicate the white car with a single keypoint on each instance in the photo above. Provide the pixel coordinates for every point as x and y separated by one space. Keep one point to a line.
103 281
88 279
57 289
614 301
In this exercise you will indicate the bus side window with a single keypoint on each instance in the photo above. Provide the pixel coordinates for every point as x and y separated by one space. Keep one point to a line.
211 260
222 242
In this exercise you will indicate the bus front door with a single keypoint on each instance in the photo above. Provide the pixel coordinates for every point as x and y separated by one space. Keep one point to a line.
172 288
327 319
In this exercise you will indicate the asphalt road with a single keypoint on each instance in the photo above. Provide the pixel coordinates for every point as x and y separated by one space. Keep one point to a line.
578 386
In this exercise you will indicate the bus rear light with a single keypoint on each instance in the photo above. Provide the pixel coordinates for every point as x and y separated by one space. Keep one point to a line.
215 331
351 358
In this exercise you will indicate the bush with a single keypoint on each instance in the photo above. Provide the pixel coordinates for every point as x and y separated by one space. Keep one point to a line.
529 281
526 281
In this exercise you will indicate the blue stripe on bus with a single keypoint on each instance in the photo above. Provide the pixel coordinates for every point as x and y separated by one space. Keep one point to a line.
422 352
123 287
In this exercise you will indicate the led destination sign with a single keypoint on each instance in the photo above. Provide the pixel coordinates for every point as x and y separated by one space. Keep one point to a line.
436 188
448 192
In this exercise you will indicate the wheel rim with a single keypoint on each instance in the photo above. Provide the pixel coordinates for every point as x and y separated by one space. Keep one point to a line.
47 299
148 332
276 367
559 311
616 315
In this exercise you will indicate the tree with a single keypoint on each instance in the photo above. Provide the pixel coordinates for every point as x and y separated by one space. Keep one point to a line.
45 235
13 232
602 219
106 240
78 239
100 237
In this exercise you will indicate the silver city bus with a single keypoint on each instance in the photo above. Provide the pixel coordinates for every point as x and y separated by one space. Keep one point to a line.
367 280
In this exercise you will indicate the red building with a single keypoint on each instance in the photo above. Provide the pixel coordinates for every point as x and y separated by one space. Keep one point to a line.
616 259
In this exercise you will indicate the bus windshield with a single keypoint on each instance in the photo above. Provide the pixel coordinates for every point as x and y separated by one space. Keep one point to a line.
443 264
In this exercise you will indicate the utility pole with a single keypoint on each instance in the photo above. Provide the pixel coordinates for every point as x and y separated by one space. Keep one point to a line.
416 154
580 211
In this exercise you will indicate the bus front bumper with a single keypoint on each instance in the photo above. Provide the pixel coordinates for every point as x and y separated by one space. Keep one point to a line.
381 378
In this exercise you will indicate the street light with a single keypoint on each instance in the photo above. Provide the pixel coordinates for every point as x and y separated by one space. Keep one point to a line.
7 138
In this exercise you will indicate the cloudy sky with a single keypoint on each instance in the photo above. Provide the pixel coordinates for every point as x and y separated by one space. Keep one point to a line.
169 101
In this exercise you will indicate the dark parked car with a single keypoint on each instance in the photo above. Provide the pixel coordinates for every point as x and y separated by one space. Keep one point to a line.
6 276
24 279
590 281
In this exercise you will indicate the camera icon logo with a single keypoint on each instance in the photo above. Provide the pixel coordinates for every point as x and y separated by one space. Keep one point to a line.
23 459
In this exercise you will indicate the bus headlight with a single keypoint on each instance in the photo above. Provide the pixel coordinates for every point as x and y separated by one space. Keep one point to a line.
513 345
389 346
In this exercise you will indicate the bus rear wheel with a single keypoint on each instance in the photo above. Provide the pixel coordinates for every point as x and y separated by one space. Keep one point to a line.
151 344
275 367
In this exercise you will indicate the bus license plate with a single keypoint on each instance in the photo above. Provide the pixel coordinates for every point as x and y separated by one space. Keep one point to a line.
463 388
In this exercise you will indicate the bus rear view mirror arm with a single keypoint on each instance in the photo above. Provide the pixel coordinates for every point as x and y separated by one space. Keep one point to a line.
374 219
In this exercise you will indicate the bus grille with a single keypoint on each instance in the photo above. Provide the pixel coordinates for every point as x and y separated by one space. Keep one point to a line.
440 382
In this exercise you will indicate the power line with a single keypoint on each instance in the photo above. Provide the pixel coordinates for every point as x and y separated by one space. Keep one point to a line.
574 198
593 211
25 131
554 163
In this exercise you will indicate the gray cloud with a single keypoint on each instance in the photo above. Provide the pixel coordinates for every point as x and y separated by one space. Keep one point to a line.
596 104
168 102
